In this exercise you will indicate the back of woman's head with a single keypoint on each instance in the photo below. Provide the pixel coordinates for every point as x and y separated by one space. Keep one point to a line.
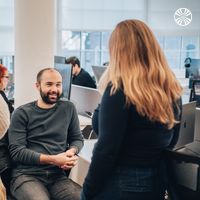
138 65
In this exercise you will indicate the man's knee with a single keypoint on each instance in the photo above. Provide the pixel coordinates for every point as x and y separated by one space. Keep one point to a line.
27 187
65 189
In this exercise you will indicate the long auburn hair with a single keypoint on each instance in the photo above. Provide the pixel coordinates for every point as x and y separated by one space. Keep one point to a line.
2 191
138 66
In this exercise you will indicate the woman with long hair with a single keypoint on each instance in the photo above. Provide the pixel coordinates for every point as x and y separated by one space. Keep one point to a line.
138 118
4 153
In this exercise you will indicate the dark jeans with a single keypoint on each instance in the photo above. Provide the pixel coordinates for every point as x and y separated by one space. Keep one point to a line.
133 184
45 187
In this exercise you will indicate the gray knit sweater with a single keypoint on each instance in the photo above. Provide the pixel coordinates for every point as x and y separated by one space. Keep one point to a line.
48 131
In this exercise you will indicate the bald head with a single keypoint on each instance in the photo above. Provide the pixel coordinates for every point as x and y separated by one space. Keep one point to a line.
47 72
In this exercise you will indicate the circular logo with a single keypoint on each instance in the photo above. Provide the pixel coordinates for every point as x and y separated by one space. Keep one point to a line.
183 16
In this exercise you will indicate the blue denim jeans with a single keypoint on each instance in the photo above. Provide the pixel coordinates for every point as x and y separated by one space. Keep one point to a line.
44 187
128 183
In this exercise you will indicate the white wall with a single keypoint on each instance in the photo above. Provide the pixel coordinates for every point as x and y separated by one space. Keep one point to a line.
34 45
99 14
105 14
161 16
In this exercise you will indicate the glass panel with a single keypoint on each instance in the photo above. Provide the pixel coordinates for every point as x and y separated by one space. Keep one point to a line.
172 43
89 58
173 58
68 53
90 40
105 57
7 3
105 40
71 40
70 4
160 40
190 43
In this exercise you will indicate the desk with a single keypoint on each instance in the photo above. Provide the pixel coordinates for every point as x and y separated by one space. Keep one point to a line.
79 172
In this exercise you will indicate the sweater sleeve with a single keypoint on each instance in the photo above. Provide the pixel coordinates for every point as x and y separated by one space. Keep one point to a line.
17 140
75 138
113 117
95 119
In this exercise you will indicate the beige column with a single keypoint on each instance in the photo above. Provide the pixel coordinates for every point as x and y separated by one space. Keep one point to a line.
34 45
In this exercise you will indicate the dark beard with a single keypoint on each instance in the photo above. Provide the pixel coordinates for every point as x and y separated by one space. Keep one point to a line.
47 100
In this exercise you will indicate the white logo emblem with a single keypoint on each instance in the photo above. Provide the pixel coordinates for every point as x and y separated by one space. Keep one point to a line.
183 16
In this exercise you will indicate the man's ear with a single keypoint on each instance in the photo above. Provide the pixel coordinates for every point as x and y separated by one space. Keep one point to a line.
37 85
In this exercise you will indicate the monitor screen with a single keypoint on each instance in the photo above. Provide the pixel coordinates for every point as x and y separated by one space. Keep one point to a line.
193 69
66 72
59 59
98 71
85 99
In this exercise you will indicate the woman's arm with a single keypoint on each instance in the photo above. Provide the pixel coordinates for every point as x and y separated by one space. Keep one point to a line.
95 119
112 126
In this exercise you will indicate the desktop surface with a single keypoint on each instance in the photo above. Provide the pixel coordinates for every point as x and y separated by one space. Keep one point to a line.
79 172
85 99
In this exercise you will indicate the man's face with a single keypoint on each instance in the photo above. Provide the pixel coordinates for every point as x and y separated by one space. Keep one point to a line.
50 87
75 70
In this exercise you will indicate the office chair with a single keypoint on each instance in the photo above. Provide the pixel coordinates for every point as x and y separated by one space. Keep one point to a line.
88 133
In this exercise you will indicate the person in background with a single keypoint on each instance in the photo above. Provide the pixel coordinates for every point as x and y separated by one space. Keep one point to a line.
106 64
79 75
44 140
139 118
4 153
4 124
4 78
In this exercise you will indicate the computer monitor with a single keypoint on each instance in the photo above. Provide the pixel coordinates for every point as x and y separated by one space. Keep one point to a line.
59 59
192 70
98 71
85 99
186 134
66 73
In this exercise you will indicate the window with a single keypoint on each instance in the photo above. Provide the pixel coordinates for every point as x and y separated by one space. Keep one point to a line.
178 48
91 47
7 41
